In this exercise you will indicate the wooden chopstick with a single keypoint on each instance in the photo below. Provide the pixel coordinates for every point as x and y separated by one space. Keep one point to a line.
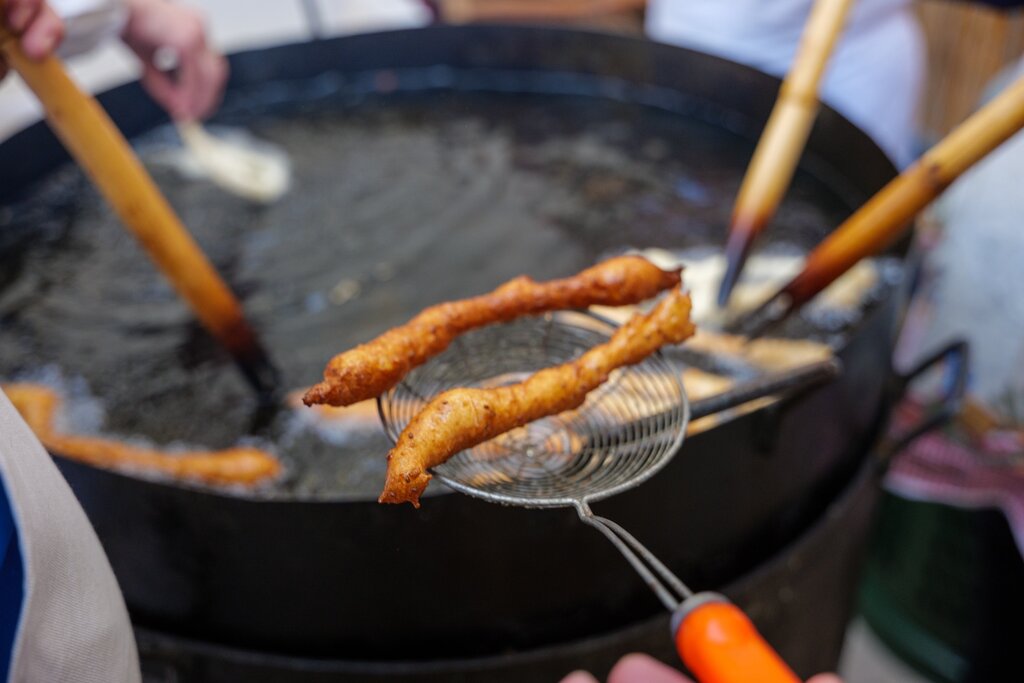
888 214
99 147
782 142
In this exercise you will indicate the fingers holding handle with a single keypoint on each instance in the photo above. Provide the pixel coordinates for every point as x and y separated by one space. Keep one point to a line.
190 88
39 28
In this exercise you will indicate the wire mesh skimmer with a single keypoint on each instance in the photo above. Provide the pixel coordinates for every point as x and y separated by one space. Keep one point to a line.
626 430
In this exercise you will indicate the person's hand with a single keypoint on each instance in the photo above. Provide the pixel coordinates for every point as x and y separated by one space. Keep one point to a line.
634 668
157 28
39 27
638 668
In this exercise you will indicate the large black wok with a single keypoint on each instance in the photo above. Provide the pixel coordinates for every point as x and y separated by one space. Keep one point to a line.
347 577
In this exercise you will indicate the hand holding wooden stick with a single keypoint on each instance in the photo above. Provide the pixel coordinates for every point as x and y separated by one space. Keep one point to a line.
100 148
783 140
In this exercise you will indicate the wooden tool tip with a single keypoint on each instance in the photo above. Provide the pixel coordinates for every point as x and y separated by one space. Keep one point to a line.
766 317
742 232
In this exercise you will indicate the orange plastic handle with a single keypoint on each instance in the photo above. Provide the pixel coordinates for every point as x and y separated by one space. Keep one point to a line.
719 644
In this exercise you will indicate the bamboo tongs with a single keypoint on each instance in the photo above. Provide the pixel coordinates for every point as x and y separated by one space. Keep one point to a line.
888 214
782 142
99 147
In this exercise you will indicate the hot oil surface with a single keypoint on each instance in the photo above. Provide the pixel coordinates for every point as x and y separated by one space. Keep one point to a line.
398 203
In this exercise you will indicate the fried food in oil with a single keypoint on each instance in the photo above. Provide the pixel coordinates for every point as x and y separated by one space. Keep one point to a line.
770 354
462 418
38 406
701 384
371 369
358 417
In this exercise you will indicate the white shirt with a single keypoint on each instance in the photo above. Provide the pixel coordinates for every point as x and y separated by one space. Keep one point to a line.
88 23
975 282
73 625
875 75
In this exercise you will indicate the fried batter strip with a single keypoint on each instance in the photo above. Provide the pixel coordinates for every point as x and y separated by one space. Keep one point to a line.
38 406
462 418
371 369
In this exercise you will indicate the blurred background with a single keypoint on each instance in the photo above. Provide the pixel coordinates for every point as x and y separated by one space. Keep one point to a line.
968 47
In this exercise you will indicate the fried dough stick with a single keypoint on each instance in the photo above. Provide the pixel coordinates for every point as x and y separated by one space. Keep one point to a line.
462 418
38 405
371 369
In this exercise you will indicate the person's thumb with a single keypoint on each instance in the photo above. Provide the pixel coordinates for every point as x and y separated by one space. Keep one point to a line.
579 677
825 678
639 668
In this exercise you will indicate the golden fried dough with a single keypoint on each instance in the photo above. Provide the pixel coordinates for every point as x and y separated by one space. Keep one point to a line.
462 418
38 406
371 369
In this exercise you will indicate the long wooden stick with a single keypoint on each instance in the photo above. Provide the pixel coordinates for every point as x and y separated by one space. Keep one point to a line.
785 135
888 214
100 148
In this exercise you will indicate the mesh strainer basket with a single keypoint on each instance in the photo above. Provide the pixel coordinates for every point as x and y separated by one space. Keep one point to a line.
625 431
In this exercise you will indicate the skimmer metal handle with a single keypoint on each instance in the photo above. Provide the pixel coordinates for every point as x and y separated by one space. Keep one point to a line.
670 590
713 637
